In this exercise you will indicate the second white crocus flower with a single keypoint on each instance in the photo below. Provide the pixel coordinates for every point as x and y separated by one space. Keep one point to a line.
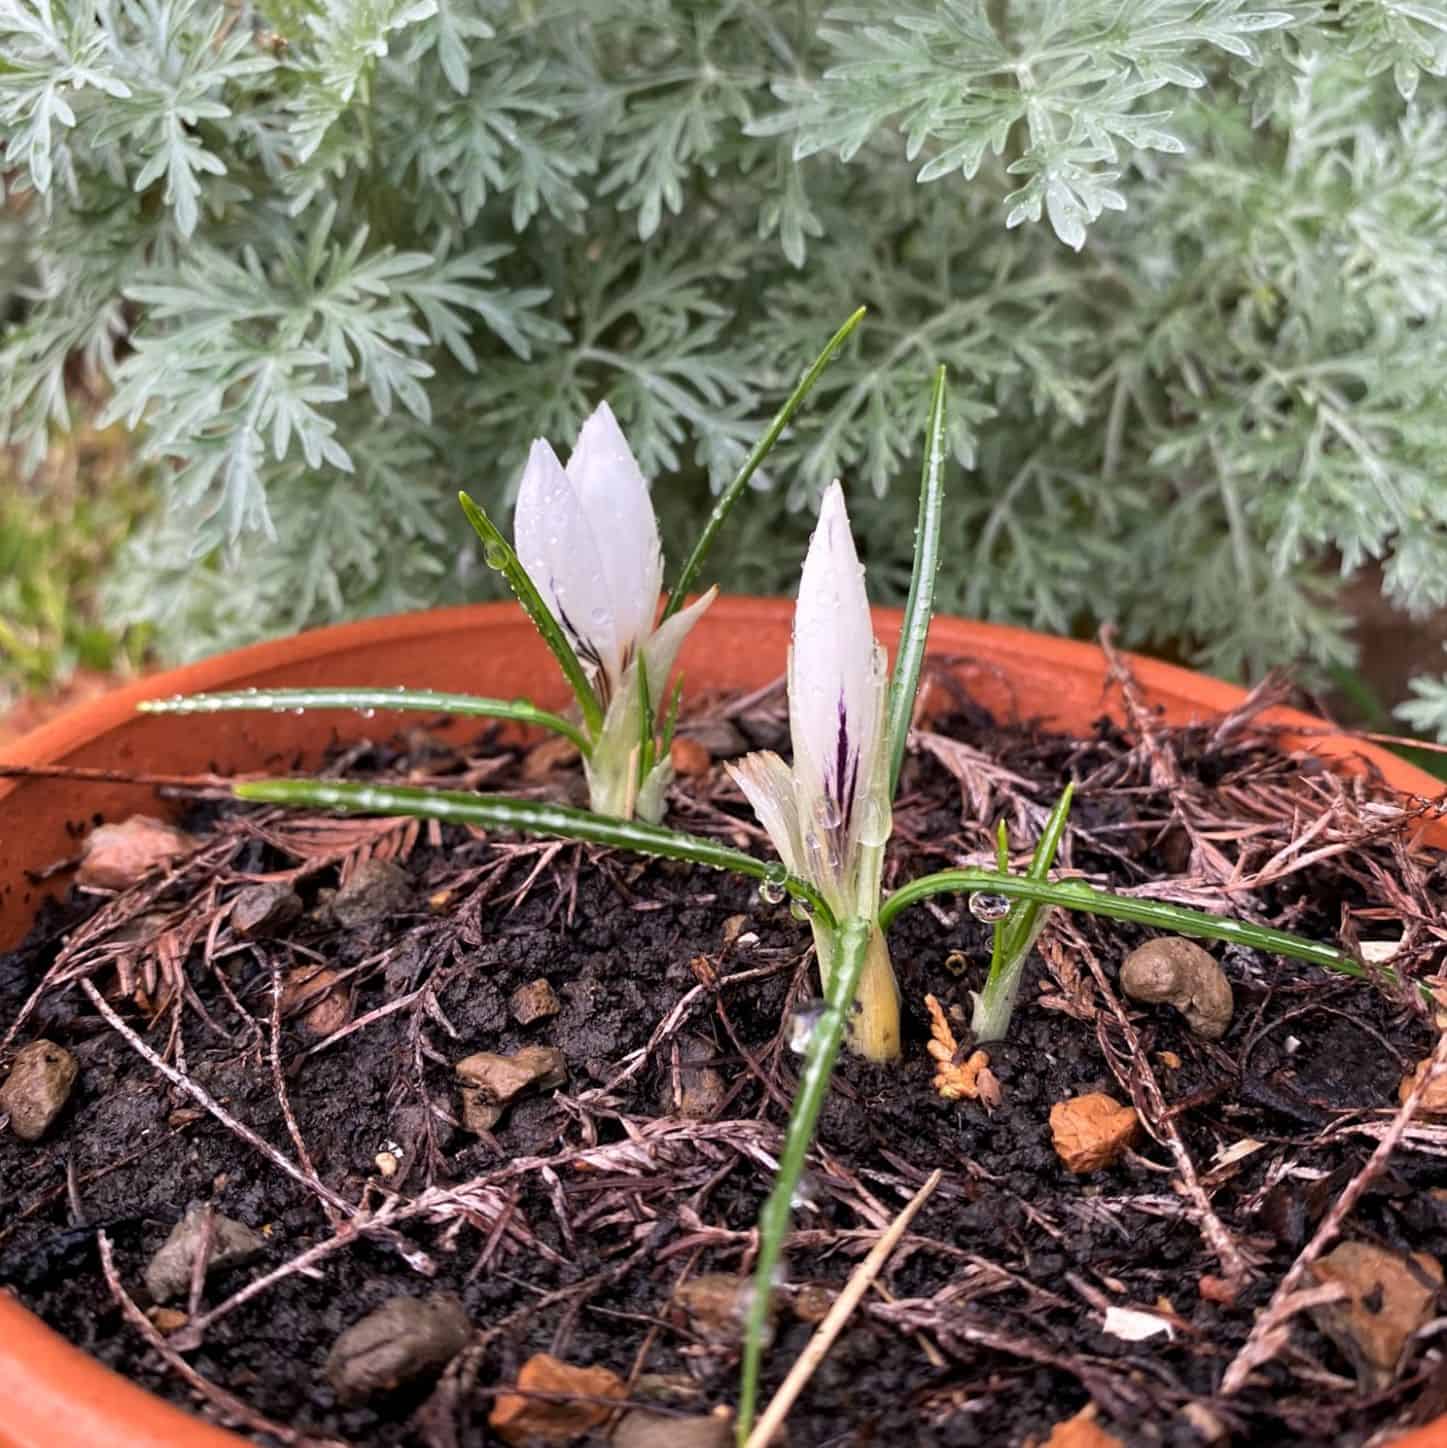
588 537
829 815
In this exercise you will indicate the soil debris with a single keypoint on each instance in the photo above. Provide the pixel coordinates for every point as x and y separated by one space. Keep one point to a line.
1171 971
565 1412
378 890
41 1079
262 910
690 758
716 1304
405 1339
226 1242
491 1082
1093 1131
1434 1099
1082 1431
1389 1296
546 758
117 856
956 1080
534 1001
642 1429
321 997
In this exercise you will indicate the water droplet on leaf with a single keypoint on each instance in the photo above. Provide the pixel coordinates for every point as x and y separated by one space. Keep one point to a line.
494 555
801 909
802 1024
987 907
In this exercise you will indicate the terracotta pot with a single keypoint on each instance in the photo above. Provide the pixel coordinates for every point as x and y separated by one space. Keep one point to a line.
57 1397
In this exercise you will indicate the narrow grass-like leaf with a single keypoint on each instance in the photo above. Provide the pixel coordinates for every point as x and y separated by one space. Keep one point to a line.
1076 895
1019 926
499 554
370 701
819 1057
919 607
502 812
1016 933
693 565
1002 863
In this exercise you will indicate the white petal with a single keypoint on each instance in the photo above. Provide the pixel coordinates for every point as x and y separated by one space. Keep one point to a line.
555 543
768 785
615 501
835 677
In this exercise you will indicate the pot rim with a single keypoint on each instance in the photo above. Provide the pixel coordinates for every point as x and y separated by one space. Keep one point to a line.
59 1396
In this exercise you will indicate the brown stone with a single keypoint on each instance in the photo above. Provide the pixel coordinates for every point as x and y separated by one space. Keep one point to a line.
812 1301
377 890
525 1420
1092 1131
319 996
716 1304
1172 971
167 1320
1434 1102
491 1082
690 758
116 856
232 1244
642 1429
405 1339
545 759
37 1088
1081 1431
1389 1296
261 910
534 1001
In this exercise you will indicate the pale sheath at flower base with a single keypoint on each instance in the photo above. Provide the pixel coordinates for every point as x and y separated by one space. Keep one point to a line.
829 815
587 535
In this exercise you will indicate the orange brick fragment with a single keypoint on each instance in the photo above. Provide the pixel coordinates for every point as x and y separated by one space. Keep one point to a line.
1092 1131
689 757
1081 1431
522 1419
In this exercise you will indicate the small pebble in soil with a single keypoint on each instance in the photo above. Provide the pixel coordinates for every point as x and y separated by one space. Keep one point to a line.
716 1305
233 1244
1389 1296
642 1429
116 856
701 1089
690 757
520 1419
490 1081
534 1001
1093 1131
378 890
320 995
1172 971
1434 1099
37 1088
167 1320
261 910
1081 1431
405 1339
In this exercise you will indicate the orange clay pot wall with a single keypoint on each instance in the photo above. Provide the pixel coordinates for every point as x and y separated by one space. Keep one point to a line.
57 1397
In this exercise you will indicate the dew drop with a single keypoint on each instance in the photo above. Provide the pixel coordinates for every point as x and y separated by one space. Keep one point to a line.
801 909
826 813
875 821
298 711
774 886
367 713
494 555
806 1193
987 907
802 1024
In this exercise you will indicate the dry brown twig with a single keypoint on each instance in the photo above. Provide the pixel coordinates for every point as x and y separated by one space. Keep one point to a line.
956 1080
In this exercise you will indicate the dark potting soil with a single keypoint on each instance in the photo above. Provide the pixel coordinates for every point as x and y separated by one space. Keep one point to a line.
570 1228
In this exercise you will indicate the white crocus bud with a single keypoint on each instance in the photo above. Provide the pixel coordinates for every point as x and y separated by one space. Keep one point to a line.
829 815
587 535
